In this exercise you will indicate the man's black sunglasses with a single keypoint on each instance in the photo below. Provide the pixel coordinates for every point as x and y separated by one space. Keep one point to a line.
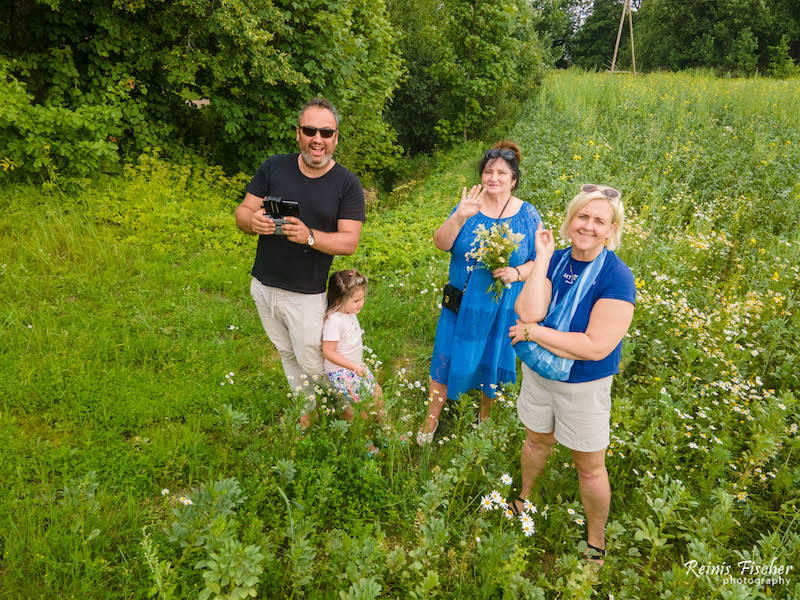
312 131
506 154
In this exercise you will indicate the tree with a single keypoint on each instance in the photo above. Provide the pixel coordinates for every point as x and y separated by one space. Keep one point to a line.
252 63
732 36
593 46
470 62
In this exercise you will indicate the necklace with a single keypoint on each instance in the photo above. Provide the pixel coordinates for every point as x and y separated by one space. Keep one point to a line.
570 277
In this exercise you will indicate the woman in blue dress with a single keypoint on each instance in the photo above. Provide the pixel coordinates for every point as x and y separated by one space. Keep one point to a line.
472 349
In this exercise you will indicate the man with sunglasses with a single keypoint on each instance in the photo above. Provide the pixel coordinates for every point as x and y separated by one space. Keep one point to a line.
291 268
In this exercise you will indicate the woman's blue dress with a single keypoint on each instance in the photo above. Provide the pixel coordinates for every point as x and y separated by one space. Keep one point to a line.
472 348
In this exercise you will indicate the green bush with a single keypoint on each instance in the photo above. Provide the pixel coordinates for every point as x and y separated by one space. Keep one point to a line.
44 141
781 64
469 66
224 79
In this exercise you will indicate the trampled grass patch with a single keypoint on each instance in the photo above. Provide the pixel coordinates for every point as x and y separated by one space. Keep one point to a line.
133 362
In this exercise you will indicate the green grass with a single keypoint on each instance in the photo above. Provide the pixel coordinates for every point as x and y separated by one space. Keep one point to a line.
116 336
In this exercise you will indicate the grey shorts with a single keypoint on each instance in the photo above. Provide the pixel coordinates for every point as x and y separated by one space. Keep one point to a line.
578 414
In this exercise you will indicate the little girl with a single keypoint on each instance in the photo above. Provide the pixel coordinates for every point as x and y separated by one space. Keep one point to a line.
342 349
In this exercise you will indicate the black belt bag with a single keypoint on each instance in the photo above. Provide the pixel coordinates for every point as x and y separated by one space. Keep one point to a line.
451 297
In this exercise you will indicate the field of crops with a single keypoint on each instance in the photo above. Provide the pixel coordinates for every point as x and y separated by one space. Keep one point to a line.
148 441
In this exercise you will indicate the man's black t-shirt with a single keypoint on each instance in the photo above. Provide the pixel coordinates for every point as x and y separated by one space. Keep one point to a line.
323 201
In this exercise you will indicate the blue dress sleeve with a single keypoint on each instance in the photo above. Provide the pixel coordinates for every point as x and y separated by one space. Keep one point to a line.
533 223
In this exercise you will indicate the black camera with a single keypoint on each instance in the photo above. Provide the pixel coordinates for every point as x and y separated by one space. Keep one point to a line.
278 209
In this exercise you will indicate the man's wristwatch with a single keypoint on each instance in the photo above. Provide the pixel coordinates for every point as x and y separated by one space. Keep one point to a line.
310 239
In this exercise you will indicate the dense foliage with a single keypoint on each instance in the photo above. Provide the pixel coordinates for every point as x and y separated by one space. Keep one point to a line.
738 37
147 439
469 65
84 83
734 36
593 45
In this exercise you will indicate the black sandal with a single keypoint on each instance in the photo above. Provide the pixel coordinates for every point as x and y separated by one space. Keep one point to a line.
594 554
513 507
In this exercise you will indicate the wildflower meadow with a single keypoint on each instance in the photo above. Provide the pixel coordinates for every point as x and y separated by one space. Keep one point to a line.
149 445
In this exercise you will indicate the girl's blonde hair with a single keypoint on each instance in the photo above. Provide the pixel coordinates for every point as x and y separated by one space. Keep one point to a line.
597 192
342 285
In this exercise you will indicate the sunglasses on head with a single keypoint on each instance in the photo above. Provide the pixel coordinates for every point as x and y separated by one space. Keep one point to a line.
608 192
325 132
496 152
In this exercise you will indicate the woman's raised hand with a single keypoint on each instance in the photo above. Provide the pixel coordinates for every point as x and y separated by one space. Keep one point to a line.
545 242
470 202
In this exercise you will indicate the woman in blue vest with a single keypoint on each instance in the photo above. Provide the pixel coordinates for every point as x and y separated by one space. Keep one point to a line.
574 310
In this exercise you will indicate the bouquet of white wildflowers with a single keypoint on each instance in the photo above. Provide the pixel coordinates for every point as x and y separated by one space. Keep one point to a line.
493 247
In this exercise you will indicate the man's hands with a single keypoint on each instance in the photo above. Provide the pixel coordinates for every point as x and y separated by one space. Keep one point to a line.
261 224
295 230
251 218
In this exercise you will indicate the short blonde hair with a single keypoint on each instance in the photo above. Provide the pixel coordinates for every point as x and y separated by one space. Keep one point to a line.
583 198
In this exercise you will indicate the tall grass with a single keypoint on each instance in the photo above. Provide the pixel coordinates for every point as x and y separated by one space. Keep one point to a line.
133 360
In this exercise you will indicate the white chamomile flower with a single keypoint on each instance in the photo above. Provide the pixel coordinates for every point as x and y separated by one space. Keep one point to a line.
506 479
528 529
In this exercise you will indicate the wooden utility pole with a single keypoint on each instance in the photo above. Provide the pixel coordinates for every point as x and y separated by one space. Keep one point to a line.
626 8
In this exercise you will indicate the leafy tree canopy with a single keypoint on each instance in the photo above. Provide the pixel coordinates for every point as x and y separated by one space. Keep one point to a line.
224 78
732 36
470 63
